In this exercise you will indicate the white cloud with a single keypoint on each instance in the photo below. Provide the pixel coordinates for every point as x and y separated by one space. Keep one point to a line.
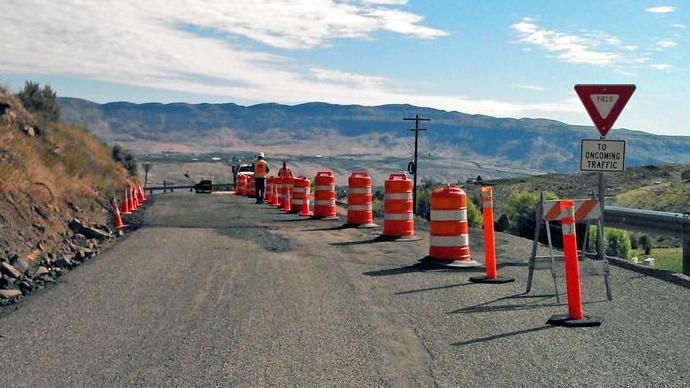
678 25
193 46
661 66
666 43
528 87
570 48
661 9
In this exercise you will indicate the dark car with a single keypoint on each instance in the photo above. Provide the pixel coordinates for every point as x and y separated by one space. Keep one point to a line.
204 186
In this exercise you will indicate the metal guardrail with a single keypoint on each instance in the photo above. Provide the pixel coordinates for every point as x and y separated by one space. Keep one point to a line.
169 187
668 224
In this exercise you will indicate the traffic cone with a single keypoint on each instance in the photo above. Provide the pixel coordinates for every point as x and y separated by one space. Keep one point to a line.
135 199
125 204
130 200
492 276
142 194
118 217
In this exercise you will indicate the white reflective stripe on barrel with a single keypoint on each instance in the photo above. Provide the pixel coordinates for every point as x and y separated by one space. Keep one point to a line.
568 228
398 216
359 207
398 196
448 215
325 188
297 202
450 241
365 190
324 202
299 190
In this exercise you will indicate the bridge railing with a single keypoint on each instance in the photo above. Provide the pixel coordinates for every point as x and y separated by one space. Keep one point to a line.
675 225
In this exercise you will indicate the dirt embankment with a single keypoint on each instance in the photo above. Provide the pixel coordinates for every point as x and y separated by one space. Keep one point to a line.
56 181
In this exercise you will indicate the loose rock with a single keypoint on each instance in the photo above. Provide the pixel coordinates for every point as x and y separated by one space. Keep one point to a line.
9 270
10 294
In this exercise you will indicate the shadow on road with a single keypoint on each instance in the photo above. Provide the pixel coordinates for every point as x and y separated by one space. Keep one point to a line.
490 307
433 288
295 219
332 228
377 239
504 335
418 267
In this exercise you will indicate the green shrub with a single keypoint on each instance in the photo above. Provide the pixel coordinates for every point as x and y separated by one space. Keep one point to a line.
617 242
42 102
646 244
474 215
521 209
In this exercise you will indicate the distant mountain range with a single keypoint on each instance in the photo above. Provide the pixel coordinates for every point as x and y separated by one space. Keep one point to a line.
320 128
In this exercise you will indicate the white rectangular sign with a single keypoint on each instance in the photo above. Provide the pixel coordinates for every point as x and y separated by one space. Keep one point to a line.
602 155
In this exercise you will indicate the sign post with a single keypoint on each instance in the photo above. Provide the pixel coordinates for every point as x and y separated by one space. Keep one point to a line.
604 103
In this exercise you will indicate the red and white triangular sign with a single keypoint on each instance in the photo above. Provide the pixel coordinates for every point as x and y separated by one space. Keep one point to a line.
604 103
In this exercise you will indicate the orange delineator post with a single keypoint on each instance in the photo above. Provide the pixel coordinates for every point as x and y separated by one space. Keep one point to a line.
134 198
125 204
277 191
118 218
575 316
489 241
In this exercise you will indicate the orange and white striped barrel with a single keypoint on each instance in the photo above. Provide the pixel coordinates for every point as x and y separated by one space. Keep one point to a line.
324 195
398 217
301 193
287 189
241 185
448 223
359 201
251 187
269 189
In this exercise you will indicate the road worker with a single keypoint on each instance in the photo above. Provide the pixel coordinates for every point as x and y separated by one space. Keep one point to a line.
260 172
284 171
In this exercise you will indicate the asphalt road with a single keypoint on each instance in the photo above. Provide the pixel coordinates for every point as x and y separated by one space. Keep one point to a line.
217 291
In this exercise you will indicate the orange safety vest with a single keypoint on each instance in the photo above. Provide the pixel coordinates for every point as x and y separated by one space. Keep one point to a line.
260 169
285 172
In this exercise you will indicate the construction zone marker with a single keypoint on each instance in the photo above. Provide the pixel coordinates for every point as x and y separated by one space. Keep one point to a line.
324 196
575 316
491 276
359 201
398 215
449 244
118 218
125 203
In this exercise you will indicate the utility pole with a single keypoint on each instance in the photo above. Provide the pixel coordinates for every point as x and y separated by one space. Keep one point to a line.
412 167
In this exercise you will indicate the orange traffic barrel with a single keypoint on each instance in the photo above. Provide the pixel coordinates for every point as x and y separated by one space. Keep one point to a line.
398 216
324 196
251 187
241 184
287 191
449 242
359 201
299 203
269 189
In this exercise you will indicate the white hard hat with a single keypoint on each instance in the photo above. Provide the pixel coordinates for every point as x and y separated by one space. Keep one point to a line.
261 154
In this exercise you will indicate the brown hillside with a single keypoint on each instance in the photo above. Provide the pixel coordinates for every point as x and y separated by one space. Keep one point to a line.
49 173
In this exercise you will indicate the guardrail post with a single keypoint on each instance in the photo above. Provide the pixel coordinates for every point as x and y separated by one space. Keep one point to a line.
686 250
165 184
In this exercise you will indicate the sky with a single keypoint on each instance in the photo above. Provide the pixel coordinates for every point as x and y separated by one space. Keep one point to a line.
500 58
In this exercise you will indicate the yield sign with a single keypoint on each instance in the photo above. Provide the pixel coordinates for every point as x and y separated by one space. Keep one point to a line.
604 103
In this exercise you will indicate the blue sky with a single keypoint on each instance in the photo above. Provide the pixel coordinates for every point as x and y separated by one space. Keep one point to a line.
502 58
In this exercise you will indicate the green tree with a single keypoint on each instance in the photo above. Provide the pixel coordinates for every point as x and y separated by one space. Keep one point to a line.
42 102
474 215
126 159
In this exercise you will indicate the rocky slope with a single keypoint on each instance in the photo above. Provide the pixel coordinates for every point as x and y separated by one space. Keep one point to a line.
55 189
